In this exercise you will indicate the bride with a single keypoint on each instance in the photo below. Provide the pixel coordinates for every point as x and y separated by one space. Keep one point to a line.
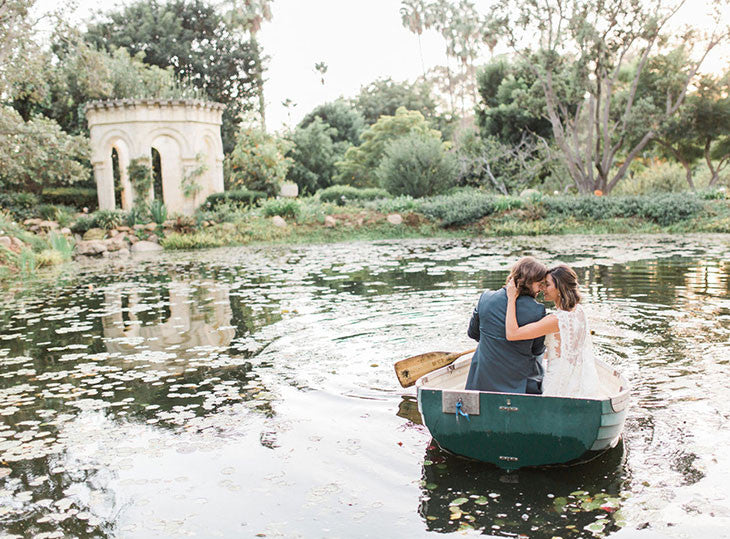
571 369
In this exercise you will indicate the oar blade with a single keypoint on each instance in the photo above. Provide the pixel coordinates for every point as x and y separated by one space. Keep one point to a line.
411 369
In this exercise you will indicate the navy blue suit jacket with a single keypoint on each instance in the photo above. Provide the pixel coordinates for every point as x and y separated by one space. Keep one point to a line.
499 364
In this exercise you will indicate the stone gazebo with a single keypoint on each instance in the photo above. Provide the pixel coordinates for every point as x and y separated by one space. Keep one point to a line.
186 133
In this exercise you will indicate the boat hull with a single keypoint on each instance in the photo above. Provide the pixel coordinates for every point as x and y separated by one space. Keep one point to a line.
518 430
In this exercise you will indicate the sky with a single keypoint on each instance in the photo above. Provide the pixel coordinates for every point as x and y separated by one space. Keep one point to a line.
360 41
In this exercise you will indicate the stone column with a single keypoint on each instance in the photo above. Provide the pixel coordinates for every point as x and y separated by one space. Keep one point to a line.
104 174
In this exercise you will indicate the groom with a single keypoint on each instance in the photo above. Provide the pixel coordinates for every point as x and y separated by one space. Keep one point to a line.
502 365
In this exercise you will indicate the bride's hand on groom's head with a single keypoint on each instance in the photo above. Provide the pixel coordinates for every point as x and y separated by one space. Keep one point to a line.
511 289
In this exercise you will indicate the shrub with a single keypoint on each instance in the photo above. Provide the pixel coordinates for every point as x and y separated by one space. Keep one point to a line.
417 166
49 257
459 208
398 204
76 197
238 197
671 208
61 244
659 178
341 194
314 154
506 203
138 214
63 214
20 205
284 207
664 209
258 161
82 224
197 240
158 211
712 194
360 162
108 219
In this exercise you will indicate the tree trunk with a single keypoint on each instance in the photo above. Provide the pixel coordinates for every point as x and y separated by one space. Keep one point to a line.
260 82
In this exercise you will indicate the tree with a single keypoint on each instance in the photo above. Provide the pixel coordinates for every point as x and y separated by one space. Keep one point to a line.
201 46
258 161
346 121
83 73
358 166
593 41
37 153
314 154
248 16
384 96
465 32
511 104
711 108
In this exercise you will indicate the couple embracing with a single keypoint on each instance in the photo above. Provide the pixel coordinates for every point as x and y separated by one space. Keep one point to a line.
515 333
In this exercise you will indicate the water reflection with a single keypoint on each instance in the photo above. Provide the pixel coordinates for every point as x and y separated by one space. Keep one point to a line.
269 371
193 318
459 494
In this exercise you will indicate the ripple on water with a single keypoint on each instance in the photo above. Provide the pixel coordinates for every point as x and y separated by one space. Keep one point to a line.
266 373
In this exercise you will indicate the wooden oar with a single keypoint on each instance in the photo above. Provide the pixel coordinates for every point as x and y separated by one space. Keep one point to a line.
411 369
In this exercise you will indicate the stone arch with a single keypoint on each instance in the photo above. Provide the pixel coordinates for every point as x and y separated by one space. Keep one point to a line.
102 162
178 129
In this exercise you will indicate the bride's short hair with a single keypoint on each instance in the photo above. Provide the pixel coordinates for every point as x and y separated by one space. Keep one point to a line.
525 272
566 281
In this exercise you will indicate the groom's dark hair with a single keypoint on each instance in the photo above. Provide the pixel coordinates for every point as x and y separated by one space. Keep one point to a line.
525 272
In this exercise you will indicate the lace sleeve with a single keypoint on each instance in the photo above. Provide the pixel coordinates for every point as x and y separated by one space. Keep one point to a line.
573 330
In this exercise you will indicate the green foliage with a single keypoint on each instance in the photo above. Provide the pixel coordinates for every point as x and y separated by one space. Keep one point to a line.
77 197
158 211
62 245
346 121
399 204
713 194
284 207
417 166
258 161
384 97
360 162
64 215
511 102
196 240
189 185
238 197
107 219
35 154
460 208
664 209
84 72
671 208
138 214
314 154
506 203
82 224
20 205
197 39
341 194
139 172
657 178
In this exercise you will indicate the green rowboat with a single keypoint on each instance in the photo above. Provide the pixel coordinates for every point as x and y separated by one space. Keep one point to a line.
514 430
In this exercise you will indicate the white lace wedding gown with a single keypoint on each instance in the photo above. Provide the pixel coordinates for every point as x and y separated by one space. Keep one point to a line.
570 369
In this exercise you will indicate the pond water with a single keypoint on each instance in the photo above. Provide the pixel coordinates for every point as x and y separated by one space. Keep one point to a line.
251 392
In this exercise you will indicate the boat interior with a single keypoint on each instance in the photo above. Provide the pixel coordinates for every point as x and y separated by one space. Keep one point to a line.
453 377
